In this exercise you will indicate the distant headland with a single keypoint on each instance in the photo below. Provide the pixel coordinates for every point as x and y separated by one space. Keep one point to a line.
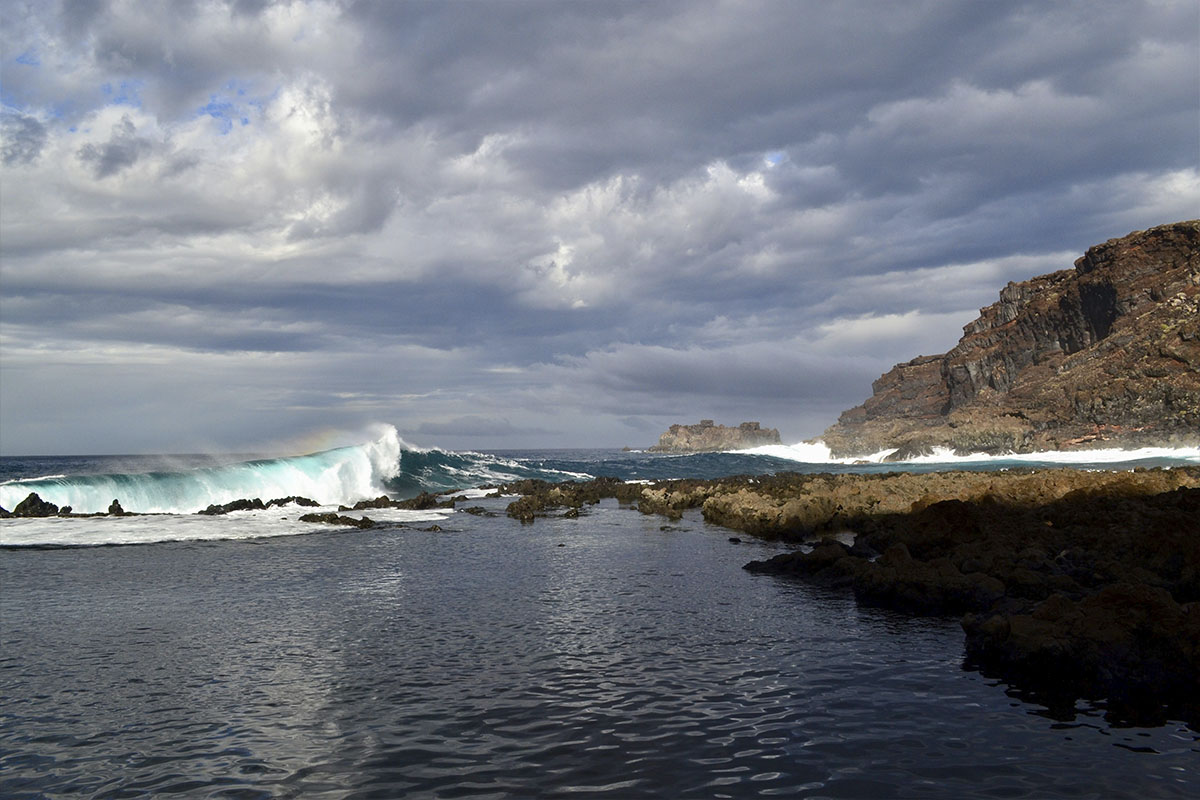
707 437
1103 355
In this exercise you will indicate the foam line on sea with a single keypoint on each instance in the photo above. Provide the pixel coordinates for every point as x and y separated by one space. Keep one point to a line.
817 452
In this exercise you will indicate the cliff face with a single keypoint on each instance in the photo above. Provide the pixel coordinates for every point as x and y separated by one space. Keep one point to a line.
1103 355
707 437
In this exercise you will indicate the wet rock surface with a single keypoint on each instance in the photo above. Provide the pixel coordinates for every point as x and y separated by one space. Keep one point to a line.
330 518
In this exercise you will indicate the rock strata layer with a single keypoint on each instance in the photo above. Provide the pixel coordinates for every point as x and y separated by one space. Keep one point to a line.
709 438
1103 355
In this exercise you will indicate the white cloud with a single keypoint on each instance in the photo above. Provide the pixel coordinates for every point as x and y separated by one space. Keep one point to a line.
563 217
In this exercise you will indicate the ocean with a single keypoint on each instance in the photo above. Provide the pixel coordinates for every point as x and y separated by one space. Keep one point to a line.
448 654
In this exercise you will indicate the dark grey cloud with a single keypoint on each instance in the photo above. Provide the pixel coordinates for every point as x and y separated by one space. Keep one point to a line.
23 138
478 426
123 149
544 223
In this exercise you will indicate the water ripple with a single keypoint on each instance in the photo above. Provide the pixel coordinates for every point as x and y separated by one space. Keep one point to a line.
490 663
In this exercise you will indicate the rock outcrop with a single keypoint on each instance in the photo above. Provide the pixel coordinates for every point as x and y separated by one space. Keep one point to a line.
1103 355
709 438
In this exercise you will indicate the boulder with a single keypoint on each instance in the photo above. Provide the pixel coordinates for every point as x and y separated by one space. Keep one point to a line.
34 506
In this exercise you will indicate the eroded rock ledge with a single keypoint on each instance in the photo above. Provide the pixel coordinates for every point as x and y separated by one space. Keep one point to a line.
1072 583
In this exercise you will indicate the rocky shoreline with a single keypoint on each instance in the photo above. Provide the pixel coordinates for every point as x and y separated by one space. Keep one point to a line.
1070 584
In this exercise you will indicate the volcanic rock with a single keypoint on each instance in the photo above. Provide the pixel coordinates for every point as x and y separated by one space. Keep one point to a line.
707 438
34 506
331 518
1103 355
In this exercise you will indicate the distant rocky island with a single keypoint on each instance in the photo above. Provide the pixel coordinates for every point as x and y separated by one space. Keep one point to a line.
709 438
1103 355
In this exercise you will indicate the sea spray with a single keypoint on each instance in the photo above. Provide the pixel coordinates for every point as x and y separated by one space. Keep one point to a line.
341 475
344 475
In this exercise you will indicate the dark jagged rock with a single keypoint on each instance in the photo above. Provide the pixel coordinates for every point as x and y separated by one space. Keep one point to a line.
1089 588
1131 645
293 500
539 497
256 504
899 581
424 501
1105 354
331 518
35 506
383 501
114 508
235 505
479 511
707 437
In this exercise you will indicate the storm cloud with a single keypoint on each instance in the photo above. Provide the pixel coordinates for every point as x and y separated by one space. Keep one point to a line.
231 224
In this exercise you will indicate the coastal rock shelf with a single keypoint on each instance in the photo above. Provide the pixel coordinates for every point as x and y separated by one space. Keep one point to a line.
707 437
1103 355
1069 582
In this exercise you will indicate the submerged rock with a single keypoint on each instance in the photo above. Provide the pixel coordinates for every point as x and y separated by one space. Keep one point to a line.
331 518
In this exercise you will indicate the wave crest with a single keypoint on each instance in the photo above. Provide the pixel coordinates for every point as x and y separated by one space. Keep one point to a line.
340 475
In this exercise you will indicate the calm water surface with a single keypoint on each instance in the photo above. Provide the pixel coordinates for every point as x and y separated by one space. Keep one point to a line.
597 657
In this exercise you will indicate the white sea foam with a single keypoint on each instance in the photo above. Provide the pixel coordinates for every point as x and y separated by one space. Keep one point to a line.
817 452
153 528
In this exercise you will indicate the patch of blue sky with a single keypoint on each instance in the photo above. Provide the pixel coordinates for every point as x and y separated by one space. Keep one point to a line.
29 58
11 104
125 93
222 111
233 105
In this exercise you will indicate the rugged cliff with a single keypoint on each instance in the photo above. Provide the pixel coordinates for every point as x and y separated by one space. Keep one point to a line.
1103 355
707 437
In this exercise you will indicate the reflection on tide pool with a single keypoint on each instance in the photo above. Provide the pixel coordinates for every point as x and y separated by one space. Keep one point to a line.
606 656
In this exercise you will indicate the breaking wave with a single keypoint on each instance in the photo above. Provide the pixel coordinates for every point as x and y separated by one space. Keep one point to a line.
387 465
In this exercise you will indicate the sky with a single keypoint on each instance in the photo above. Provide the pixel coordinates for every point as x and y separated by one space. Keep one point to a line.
268 226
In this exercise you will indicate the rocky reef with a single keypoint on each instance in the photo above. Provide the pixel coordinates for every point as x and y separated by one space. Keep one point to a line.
1103 355
709 438
1069 583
